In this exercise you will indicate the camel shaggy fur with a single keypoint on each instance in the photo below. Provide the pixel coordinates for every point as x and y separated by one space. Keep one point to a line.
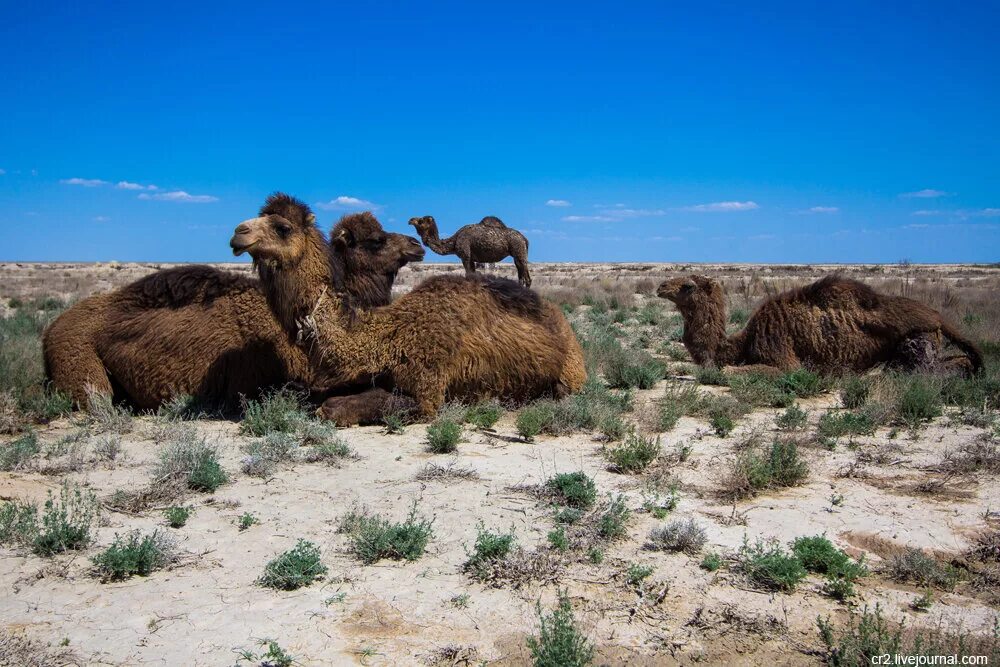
486 242
834 324
461 338
202 331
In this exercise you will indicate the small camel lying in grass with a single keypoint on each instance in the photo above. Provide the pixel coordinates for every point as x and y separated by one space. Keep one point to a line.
462 338
832 325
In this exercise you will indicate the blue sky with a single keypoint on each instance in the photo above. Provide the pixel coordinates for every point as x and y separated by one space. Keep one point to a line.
798 132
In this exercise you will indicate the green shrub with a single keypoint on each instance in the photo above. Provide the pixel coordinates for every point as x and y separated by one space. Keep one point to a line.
443 436
22 372
298 567
324 443
686 536
721 423
374 537
558 540
920 400
760 390
818 554
854 391
634 455
16 453
792 419
574 489
559 642
18 523
633 369
489 547
134 554
182 407
177 516
915 566
191 461
711 562
870 635
612 519
569 515
276 412
757 469
485 414
839 424
769 567
802 383
67 523
636 574
711 375
532 419
246 520
395 422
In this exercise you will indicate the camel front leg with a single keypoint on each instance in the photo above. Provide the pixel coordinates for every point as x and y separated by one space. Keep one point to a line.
523 276
470 266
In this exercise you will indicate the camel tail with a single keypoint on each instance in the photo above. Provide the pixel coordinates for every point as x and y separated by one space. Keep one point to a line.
964 344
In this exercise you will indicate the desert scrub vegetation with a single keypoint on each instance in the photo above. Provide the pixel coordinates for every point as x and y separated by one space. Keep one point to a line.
818 554
374 537
488 548
485 414
594 407
279 411
560 643
769 567
177 516
106 416
573 489
16 454
191 462
274 656
443 435
299 566
777 392
64 523
870 634
324 443
679 535
758 468
792 419
915 566
134 554
634 455
25 396
262 456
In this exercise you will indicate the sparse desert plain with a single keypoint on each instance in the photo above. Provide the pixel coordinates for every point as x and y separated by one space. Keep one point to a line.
682 516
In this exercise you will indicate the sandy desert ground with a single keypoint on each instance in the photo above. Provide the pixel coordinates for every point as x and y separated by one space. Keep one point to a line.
871 495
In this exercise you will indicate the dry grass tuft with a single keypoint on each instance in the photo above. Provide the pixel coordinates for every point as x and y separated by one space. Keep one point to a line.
433 472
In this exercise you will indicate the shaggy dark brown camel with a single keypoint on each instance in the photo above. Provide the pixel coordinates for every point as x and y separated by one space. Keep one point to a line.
485 242
463 338
834 324
203 331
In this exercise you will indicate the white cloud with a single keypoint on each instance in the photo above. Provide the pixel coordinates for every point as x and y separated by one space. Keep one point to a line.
126 185
761 237
723 206
345 203
179 195
101 218
989 212
588 218
823 209
921 226
928 212
558 203
616 213
85 182
926 193
2 172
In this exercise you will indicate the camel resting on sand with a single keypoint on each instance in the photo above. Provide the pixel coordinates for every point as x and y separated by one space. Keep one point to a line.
485 242
454 337
202 331
834 324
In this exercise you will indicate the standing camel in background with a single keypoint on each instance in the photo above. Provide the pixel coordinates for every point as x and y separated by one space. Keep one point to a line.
486 242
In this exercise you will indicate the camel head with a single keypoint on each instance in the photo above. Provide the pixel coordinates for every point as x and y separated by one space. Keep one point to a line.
691 293
425 225
280 235
367 248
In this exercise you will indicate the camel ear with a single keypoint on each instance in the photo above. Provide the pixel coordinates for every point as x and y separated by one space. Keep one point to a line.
342 239
311 219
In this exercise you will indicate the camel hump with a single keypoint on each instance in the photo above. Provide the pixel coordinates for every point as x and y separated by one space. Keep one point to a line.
492 221
836 290
511 296
182 285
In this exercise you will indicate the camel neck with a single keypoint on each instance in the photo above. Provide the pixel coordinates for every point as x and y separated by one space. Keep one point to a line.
705 336
433 241
292 290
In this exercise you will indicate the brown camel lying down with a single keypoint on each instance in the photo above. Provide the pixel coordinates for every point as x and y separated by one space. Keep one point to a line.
834 324
201 331
463 338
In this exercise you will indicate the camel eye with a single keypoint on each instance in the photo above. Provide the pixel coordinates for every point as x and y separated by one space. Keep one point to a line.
687 289
283 229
